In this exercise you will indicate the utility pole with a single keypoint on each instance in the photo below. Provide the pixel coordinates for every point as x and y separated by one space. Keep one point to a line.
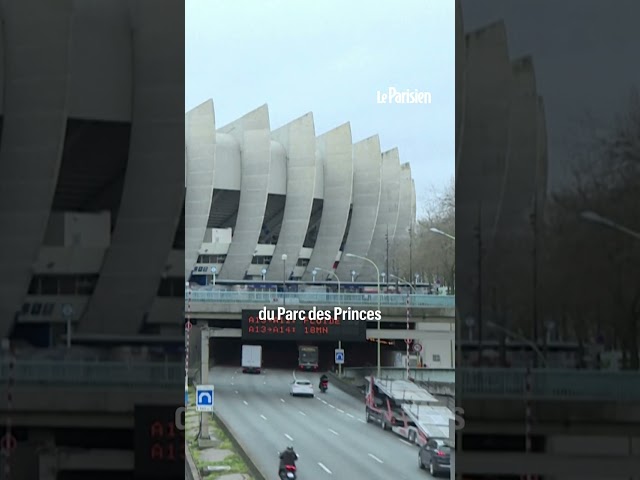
205 439
410 253
387 261
479 232
534 225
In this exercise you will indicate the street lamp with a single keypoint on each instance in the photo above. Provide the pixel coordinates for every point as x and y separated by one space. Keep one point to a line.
403 281
440 232
595 218
378 277
519 337
353 275
67 313
284 279
264 274
331 272
214 270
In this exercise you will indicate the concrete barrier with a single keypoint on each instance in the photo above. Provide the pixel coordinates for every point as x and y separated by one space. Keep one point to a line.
346 387
190 469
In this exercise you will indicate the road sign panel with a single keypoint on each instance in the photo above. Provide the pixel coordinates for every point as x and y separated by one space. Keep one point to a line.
417 347
339 356
204 398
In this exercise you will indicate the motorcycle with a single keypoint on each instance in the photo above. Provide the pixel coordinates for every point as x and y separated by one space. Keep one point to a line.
324 386
288 473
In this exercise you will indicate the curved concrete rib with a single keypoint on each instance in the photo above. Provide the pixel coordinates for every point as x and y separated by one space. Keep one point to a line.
460 81
367 169
36 48
335 153
200 137
484 147
387 215
299 140
252 133
405 221
154 191
514 240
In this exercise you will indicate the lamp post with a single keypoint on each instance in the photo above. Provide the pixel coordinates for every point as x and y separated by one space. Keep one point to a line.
440 232
353 276
214 271
331 272
378 277
264 274
284 279
411 287
67 313
517 336
403 281
470 322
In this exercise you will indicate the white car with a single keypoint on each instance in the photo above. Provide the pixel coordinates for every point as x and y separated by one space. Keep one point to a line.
301 387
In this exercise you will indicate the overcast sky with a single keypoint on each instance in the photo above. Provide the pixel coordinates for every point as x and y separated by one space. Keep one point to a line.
331 57
586 57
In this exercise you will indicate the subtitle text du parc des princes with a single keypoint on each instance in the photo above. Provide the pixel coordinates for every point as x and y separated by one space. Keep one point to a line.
314 314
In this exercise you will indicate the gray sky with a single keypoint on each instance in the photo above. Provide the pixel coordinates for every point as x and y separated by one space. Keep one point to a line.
331 57
586 58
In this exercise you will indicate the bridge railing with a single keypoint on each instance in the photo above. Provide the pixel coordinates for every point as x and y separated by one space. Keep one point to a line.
321 298
93 373
509 383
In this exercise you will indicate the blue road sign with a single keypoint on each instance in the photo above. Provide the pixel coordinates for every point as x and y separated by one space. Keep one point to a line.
339 356
204 398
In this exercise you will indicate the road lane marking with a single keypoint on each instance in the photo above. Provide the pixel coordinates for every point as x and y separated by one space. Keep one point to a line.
361 420
341 411
324 468
331 406
282 400
302 413
334 432
350 416
405 442
263 417
375 458
245 402
289 438
236 392
324 401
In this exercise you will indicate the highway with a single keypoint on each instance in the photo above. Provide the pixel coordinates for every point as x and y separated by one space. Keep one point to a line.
329 432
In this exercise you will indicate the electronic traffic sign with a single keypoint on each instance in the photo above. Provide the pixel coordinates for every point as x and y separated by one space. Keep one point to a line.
159 442
317 328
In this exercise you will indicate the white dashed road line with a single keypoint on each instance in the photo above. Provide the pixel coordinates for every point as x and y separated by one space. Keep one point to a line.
341 411
245 402
375 458
263 417
282 400
334 432
302 413
289 438
350 416
324 468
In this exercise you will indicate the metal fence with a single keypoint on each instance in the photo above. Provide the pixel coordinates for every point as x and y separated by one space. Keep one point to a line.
94 373
320 298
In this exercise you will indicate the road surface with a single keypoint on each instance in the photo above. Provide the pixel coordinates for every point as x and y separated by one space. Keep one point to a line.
329 432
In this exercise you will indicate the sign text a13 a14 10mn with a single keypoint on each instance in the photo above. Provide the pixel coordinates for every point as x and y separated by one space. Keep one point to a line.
159 442
325 330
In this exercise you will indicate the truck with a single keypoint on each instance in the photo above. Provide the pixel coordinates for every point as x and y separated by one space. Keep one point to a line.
408 410
251 358
308 358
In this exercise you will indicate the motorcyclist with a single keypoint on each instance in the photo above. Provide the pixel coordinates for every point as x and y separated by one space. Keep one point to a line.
288 457
323 379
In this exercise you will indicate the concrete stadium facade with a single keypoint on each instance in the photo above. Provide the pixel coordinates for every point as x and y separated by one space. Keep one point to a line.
501 181
86 120
256 196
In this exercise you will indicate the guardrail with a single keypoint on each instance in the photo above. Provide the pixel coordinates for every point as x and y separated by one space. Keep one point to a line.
94 373
444 375
509 383
316 298
561 384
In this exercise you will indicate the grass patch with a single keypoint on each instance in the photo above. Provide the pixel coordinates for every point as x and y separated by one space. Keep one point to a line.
234 461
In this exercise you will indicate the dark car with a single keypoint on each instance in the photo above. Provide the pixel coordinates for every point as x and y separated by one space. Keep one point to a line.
436 456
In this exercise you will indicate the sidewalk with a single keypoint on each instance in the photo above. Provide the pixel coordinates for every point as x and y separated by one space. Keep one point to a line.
221 456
